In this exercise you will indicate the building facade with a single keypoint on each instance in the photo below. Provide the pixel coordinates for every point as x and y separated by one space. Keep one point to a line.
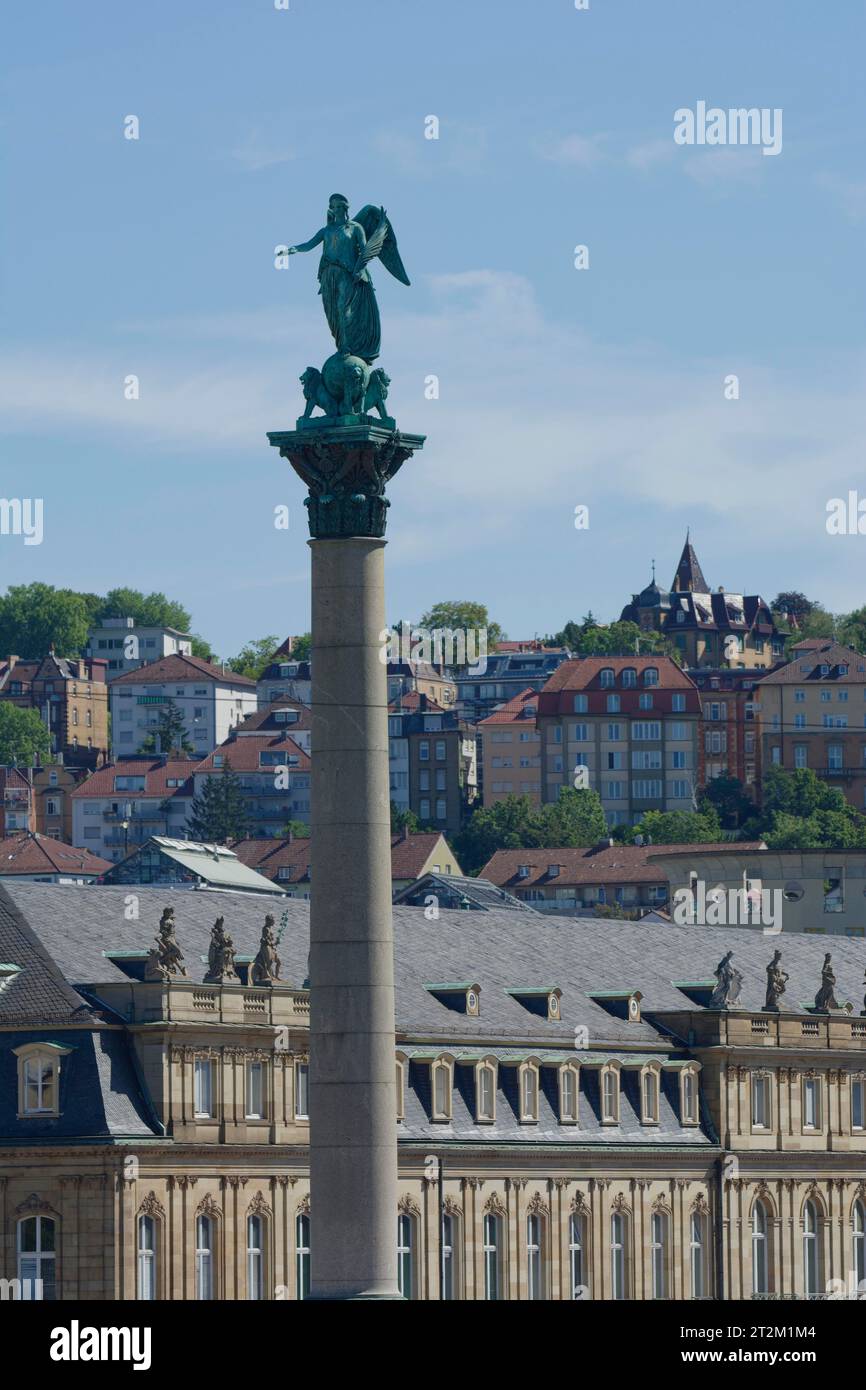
557 1138
274 774
211 700
625 726
72 698
729 742
509 746
707 628
126 645
813 714
119 807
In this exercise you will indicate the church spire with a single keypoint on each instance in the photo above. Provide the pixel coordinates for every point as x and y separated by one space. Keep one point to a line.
689 577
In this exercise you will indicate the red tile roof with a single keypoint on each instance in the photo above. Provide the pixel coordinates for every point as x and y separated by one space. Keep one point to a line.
408 856
512 711
265 716
584 674
156 773
805 666
607 864
39 854
414 701
243 753
181 668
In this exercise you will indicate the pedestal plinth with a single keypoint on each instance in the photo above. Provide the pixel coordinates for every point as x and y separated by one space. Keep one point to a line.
353 1121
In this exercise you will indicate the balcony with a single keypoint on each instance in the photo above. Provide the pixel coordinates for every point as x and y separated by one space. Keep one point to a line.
841 771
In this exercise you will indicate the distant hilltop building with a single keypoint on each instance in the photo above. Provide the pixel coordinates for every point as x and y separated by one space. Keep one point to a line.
707 628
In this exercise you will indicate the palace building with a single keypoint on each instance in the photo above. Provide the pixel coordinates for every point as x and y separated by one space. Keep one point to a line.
587 1109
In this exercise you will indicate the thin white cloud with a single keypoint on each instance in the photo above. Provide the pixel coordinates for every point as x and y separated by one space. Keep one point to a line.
579 151
258 151
650 154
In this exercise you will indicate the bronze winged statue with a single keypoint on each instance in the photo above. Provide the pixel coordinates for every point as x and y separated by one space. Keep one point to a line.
348 297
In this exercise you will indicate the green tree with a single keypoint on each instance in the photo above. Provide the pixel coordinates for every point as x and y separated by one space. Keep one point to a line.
219 814
252 659
799 793
24 739
728 798
575 818
821 830
298 829
202 648
455 614
851 629
680 827
791 603
301 647
401 820
170 735
512 823
35 617
148 610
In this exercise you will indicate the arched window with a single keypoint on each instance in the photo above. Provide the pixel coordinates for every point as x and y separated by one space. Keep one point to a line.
568 1086
698 1254
406 1255
492 1256
577 1254
858 1225
441 1091
302 1253
204 1243
760 1251
610 1096
535 1255
450 1255
689 1098
400 1091
528 1092
811 1250
629 678
651 676
618 1255
146 1257
659 1253
650 1098
485 1094
255 1256
37 1258
607 677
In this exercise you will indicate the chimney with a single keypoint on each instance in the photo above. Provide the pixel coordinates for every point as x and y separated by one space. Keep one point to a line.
405 832
291 837
12 661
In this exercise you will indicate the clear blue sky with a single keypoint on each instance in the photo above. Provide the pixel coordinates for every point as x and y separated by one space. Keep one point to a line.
557 386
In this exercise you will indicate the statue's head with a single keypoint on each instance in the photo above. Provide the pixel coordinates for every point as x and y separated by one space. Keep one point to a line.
338 208
309 377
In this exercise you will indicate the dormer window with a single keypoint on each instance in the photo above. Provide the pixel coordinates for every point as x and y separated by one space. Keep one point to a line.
529 1093
651 676
542 1000
569 1079
39 1078
689 1096
607 677
610 1095
649 1096
523 871
629 678
485 1091
400 1073
553 870
441 1079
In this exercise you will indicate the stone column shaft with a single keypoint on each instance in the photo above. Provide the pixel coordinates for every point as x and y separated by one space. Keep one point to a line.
353 1122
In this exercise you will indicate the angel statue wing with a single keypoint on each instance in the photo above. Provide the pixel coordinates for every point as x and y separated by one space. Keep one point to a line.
381 241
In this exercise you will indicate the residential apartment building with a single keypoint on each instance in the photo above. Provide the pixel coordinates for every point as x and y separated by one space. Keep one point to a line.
813 714
274 774
627 727
284 679
615 1139
121 805
729 744
509 747
575 881
284 716
287 861
71 696
508 674
211 700
17 808
52 799
432 762
716 629
32 858
420 678
127 645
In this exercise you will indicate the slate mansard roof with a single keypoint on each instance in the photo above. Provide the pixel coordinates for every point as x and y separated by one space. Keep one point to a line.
62 938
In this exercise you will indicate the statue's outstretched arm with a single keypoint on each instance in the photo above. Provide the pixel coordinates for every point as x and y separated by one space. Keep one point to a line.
308 245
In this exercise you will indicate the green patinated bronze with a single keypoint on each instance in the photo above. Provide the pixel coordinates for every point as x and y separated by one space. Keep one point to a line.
347 455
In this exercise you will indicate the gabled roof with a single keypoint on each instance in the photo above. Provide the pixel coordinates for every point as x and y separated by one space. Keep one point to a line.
806 667
181 668
30 853
215 865
244 753
157 775
266 721
409 856
584 671
514 710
